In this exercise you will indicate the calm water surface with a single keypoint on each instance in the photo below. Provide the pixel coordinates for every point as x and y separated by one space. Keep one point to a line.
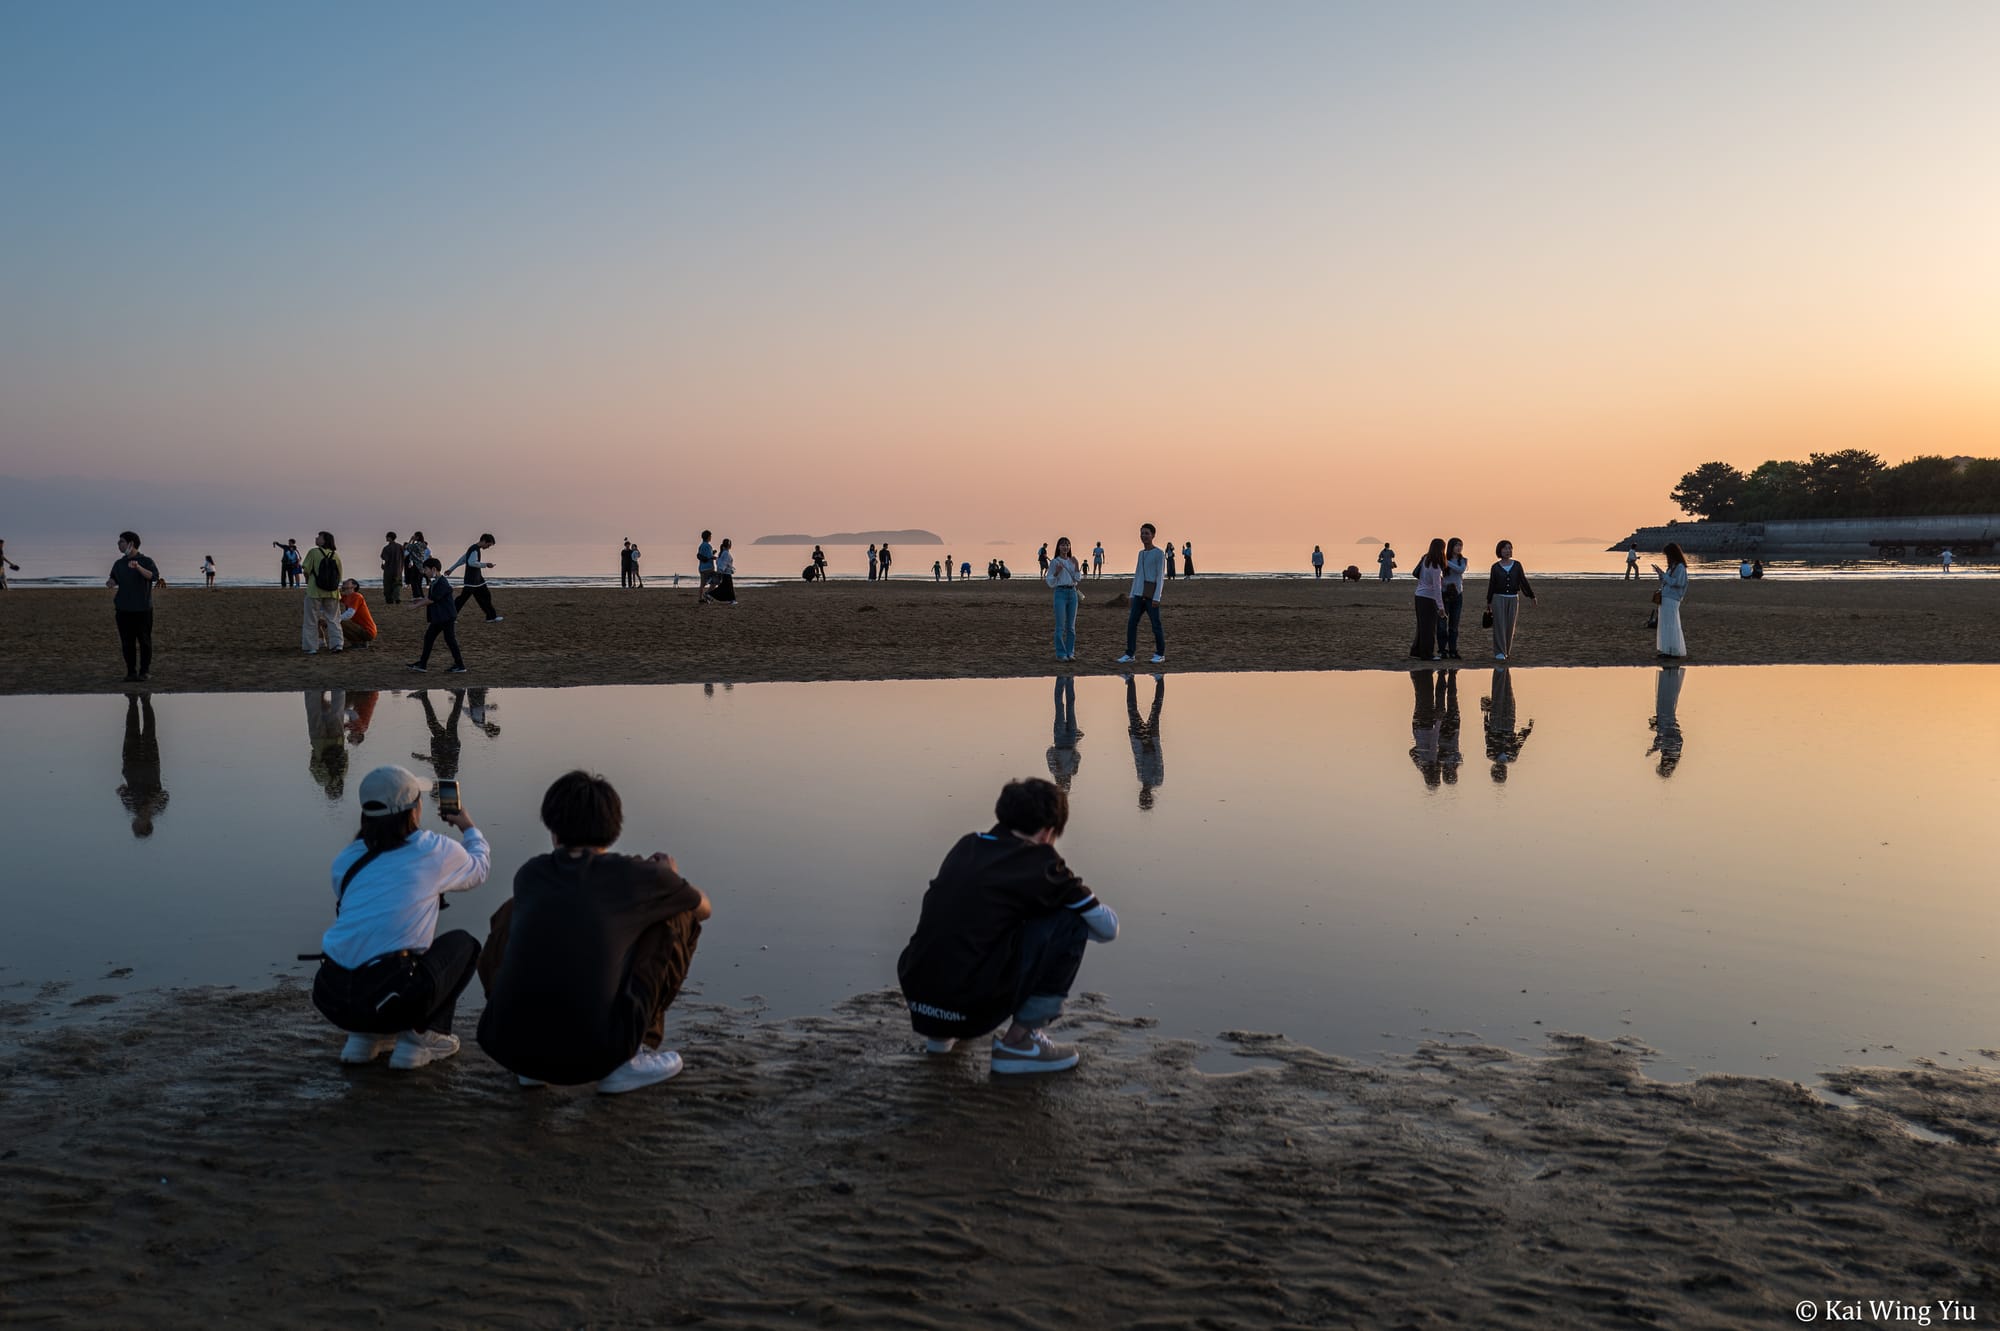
1763 870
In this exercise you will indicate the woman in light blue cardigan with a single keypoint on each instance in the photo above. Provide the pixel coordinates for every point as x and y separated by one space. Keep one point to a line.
1673 586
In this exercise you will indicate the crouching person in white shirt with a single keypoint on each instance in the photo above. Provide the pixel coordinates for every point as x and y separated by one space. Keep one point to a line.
387 977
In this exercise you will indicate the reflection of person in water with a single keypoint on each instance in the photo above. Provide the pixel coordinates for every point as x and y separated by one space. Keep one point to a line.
1503 741
360 711
443 756
326 721
1063 757
1427 724
1449 754
477 707
142 794
1666 722
1152 768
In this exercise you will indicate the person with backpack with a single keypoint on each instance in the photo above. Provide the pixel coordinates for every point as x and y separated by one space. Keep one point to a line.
392 569
441 618
386 976
288 562
322 602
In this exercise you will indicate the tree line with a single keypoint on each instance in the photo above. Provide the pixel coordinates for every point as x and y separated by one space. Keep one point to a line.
1851 483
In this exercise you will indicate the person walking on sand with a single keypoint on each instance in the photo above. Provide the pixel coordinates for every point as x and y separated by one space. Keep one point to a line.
1042 559
947 568
1062 575
1506 584
392 569
1319 562
475 577
1387 561
819 562
440 618
937 571
1097 560
1944 558
1430 602
132 578
1454 598
885 561
386 976
1148 585
704 564
871 561
6 566
583 961
322 599
357 622
1001 934
1673 587
1632 562
722 590
208 571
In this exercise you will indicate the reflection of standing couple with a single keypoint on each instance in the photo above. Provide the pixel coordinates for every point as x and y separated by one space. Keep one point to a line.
1064 759
1434 726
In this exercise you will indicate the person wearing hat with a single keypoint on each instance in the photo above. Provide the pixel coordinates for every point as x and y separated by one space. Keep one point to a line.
386 976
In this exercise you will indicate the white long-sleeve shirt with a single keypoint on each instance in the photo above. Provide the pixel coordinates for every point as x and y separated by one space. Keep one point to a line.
1152 571
1063 572
725 563
392 905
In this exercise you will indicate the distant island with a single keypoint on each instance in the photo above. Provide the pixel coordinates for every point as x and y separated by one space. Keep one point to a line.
1371 540
913 536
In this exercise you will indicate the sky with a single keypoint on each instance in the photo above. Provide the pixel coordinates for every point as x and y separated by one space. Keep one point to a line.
1252 272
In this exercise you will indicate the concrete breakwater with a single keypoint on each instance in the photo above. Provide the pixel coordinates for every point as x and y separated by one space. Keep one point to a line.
1964 534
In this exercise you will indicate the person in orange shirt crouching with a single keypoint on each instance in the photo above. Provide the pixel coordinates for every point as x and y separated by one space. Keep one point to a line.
357 624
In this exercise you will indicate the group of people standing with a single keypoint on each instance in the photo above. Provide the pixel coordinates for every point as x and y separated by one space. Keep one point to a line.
1440 598
1063 572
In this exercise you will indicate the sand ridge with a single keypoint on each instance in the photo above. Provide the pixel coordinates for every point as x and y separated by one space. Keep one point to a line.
63 641
201 1155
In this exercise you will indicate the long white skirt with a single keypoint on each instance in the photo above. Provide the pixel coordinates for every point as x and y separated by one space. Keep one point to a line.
1671 641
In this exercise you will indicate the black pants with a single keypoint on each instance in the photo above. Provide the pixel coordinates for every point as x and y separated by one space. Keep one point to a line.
625 575
413 578
449 628
1140 607
392 585
1454 611
476 591
1424 645
660 961
135 639
1051 953
399 993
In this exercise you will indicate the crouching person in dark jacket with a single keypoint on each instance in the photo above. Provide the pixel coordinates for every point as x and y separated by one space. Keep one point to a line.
1002 934
582 964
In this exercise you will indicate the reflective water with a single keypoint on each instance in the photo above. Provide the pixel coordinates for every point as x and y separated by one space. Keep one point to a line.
1759 870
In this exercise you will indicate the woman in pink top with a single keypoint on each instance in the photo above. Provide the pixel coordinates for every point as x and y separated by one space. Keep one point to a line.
1430 602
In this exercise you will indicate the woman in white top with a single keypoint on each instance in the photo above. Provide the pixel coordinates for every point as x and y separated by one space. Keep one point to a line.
1454 598
386 976
723 589
1430 602
1673 586
208 571
1063 576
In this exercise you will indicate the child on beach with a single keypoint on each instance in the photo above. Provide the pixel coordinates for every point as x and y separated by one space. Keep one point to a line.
208 571
1001 935
585 959
440 616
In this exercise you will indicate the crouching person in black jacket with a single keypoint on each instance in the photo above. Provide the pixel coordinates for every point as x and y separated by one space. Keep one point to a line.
1002 934
387 977
584 961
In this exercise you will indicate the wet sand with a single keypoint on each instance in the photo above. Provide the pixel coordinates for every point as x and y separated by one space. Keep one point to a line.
188 1160
248 638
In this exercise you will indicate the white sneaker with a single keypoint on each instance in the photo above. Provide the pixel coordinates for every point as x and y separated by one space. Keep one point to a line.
933 1045
1159 660
647 1068
1127 659
366 1048
416 1048
1041 1055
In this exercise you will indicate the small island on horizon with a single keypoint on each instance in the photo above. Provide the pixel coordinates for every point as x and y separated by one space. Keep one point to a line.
911 536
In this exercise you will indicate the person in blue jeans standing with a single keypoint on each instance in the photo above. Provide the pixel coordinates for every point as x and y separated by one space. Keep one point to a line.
1148 582
1063 575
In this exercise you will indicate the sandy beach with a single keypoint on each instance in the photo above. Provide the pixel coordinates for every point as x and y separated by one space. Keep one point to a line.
185 1159
63 641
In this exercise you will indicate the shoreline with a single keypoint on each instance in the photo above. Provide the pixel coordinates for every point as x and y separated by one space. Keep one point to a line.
247 639
206 1157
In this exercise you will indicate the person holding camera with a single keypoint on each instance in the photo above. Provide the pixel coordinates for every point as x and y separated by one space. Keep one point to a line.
386 976
583 962
1001 935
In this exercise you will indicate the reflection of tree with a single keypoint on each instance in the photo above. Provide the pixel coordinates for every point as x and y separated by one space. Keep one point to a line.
326 721
1666 722
443 756
1146 757
1425 724
1503 741
143 795
1063 757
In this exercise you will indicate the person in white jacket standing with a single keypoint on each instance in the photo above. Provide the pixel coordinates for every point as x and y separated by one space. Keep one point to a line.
1063 575
1149 581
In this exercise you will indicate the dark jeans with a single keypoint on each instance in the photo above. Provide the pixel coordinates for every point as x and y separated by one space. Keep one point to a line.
399 993
135 639
660 961
1424 645
392 585
450 631
1051 952
1152 611
1454 610
476 591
